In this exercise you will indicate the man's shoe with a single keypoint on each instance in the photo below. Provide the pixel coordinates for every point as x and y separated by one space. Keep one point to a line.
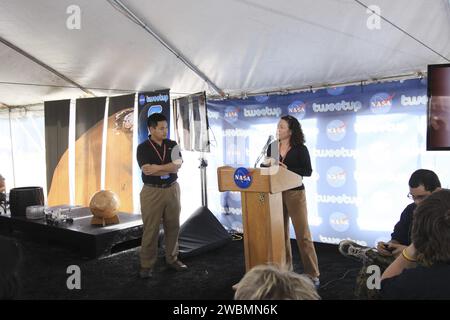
145 273
353 250
177 266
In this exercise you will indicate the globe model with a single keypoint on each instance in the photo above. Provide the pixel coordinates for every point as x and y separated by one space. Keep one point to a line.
104 204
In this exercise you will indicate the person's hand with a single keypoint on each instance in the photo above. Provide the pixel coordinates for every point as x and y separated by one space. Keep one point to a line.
382 248
396 249
283 165
149 169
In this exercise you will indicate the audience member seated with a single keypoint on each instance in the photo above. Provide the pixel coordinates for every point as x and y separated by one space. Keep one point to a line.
2 184
421 184
268 282
2 195
10 261
422 271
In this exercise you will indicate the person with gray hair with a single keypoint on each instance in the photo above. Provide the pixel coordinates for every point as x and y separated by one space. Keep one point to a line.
268 282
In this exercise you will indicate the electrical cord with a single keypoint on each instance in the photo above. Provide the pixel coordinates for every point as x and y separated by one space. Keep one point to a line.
323 287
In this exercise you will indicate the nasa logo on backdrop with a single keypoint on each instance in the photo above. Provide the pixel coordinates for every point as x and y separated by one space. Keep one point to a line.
242 178
142 99
336 130
261 99
336 176
335 91
297 109
381 103
339 221
154 109
231 113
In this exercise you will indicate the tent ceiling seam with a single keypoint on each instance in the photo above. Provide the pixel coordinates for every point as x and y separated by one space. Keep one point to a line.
129 14
44 65
403 31
312 88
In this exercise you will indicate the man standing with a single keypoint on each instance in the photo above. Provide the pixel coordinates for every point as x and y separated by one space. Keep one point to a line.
159 159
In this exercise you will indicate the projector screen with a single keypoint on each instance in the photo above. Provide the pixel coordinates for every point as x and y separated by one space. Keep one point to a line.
438 115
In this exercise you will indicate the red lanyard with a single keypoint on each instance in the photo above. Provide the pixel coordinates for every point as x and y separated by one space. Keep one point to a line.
157 152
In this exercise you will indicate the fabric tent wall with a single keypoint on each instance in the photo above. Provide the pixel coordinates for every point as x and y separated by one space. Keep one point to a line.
90 114
119 150
22 147
57 117
242 46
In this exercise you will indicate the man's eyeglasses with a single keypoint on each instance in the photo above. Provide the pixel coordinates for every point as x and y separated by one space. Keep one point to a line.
419 197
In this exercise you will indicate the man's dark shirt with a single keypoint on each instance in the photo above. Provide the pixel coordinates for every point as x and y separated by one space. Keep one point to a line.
402 230
146 154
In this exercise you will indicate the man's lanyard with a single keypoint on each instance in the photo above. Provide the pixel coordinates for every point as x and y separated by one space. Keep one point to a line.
157 152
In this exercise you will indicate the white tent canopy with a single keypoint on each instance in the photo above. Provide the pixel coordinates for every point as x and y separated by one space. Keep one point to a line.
241 46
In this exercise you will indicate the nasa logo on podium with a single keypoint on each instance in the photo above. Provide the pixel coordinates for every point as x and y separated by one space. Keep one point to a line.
242 178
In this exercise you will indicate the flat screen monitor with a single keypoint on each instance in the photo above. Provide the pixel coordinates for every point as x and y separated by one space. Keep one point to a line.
438 112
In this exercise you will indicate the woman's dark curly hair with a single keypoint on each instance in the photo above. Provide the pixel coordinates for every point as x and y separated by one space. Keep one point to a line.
431 229
297 137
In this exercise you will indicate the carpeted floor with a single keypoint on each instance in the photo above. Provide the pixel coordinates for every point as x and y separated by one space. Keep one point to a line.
210 275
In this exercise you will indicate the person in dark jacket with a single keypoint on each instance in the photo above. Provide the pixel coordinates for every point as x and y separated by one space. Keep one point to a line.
422 270
421 184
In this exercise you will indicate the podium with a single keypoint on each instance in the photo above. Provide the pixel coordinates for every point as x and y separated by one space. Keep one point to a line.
262 209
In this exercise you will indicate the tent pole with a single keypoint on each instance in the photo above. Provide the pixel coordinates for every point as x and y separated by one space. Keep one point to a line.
12 148
169 47
202 167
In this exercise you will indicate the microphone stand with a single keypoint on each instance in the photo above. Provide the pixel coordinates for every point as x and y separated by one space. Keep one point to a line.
264 150
259 157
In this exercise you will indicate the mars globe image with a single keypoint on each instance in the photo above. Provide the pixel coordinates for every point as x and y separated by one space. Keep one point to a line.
104 205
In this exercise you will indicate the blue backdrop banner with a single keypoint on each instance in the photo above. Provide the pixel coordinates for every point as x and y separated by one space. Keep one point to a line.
149 103
364 142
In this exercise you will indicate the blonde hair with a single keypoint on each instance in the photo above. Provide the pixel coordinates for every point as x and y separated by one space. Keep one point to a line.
269 282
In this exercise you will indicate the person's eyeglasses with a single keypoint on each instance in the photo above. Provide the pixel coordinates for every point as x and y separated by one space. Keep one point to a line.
419 197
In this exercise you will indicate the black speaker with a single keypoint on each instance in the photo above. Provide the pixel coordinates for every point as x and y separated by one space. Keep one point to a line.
201 232
21 198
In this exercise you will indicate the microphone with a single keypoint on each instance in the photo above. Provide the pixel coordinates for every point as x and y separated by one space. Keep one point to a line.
264 149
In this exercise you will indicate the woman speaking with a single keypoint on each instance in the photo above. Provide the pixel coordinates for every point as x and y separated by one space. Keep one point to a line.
294 156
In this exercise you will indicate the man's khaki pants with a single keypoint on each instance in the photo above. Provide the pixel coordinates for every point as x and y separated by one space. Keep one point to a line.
160 205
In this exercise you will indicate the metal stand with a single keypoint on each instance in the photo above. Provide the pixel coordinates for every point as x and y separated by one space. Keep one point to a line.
202 167
202 231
